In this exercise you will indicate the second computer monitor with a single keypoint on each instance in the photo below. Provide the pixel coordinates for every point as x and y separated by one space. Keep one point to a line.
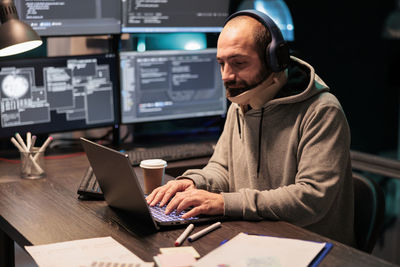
56 94
170 84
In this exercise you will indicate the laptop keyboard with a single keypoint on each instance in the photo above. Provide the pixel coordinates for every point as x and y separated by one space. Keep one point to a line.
159 213
89 188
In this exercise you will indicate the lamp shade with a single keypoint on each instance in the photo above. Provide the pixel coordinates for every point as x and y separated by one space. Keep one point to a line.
15 36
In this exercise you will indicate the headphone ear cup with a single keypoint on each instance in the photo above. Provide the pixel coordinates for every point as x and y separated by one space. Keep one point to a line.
278 56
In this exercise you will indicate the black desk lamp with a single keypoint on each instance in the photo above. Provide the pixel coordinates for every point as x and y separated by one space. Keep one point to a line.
15 36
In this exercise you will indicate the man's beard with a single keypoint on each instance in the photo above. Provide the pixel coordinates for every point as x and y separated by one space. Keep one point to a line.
260 78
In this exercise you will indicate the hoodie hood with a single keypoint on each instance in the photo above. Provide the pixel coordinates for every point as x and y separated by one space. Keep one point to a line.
302 84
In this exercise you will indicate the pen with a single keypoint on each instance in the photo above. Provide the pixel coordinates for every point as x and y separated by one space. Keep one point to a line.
43 147
45 144
183 236
33 140
21 142
20 148
28 141
204 231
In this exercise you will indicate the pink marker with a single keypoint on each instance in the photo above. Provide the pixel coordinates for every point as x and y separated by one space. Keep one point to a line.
183 236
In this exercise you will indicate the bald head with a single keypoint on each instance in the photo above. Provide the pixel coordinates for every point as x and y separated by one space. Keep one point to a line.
250 29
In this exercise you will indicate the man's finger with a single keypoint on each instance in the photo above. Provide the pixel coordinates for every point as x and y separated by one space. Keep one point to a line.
187 202
173 204
152 195
160 194
192 213
170 192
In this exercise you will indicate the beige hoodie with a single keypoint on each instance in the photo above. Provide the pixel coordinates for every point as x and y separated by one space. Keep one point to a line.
296 168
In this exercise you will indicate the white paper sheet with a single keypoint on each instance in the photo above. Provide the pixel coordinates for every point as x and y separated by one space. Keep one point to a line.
253 251
81 253
188 249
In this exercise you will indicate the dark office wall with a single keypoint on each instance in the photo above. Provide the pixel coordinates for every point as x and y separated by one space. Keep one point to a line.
343 41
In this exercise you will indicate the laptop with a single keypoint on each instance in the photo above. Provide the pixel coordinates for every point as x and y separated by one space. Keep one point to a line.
122 190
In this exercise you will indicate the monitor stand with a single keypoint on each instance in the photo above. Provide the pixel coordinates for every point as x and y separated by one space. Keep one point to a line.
116 140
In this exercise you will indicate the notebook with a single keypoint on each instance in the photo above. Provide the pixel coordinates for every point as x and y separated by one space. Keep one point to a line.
122 190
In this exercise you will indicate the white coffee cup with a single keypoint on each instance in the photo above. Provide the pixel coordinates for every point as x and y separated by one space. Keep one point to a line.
153 173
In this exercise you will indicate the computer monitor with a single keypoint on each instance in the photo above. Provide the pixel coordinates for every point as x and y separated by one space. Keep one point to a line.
48 95
174 16
72 17
170 84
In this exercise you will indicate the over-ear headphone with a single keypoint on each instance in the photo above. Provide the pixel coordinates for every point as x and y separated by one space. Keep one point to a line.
277 51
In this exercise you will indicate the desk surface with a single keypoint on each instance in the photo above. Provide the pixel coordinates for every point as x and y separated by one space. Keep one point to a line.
34 212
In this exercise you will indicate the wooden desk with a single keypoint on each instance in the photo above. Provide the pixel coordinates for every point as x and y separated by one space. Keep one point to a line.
34 212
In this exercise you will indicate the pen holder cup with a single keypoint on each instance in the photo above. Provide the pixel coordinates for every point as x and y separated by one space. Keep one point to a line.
32 164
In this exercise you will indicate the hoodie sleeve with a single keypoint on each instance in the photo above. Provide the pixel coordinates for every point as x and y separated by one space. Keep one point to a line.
214 176
323 164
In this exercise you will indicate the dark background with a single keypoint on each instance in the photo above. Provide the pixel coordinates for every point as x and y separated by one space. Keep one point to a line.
343 42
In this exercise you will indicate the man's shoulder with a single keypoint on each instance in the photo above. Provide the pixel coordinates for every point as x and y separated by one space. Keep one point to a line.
325 99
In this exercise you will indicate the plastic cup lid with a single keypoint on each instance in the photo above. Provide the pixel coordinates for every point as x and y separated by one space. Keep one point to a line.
153 163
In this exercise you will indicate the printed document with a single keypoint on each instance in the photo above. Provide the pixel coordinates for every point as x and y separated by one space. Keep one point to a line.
255 250
82 253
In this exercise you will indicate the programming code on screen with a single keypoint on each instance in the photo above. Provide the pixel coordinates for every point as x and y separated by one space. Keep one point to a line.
170 84
173 15
71 17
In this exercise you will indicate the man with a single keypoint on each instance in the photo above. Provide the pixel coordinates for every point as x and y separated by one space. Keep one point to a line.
284 151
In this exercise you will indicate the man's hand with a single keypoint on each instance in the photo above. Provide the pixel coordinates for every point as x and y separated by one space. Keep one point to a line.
203 202
163 193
